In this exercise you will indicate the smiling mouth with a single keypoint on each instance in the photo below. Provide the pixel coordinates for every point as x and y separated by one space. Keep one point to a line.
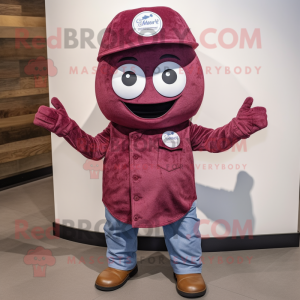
150 111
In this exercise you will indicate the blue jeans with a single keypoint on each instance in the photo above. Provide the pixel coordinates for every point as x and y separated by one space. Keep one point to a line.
182 238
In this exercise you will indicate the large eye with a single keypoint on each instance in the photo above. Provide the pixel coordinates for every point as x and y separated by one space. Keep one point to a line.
169 79
128 81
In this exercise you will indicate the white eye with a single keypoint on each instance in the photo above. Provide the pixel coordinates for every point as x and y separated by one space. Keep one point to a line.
128 81
169 79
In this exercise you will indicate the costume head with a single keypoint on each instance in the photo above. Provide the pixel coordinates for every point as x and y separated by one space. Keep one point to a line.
149 75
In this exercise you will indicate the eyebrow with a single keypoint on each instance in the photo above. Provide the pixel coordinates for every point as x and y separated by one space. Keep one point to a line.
128 58
169 56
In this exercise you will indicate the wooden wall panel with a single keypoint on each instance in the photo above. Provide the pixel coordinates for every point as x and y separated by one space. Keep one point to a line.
24 146
19 128
24 165
8 9
10 123
29 82
24 92
20 83
12 107
13 32
7 84
23 133
14 49
9 69
33 8
21 21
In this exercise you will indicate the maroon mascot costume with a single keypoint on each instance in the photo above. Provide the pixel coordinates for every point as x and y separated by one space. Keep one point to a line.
149 84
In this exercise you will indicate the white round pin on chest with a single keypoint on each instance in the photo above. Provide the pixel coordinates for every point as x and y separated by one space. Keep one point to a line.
171 139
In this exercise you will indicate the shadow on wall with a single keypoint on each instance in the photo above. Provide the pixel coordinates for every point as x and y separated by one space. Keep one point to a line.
222 207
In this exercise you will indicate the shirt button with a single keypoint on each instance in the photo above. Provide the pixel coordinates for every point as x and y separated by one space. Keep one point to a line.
135 177
135 218
136 198
135 156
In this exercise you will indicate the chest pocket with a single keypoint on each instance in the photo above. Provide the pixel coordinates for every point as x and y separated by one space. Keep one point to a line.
169 158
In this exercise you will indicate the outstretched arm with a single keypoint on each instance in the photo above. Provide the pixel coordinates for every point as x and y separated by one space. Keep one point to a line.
58 122
248 121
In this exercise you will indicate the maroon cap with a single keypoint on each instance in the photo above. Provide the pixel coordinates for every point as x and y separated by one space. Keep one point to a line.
145 26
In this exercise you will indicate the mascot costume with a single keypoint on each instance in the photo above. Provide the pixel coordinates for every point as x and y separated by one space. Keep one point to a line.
149 84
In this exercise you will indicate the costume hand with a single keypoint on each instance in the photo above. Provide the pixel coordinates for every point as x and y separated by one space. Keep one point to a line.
249 120
54 120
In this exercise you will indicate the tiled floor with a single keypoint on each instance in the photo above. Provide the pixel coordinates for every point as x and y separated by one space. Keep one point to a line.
256 274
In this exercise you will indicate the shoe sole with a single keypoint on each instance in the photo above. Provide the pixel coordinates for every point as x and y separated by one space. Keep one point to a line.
189 295
113 288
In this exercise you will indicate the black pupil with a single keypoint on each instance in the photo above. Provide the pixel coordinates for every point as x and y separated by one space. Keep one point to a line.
129 78
169 76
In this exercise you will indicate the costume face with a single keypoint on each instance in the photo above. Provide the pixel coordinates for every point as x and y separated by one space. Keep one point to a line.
152 86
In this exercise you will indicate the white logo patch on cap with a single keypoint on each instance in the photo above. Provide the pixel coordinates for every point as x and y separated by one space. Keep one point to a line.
171 139
147 23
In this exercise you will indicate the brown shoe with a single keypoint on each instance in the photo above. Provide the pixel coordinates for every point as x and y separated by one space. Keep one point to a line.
190 285
111 279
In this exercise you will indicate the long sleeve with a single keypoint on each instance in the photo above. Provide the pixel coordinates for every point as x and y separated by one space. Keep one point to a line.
57 121
214 140
91 147
248 121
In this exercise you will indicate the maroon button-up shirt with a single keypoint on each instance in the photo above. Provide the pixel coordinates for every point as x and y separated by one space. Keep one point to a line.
146 183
